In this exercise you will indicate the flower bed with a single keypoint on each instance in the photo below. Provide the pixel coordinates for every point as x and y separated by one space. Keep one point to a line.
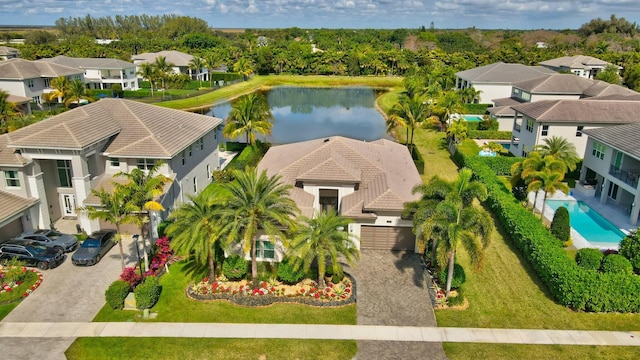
16 283
272 291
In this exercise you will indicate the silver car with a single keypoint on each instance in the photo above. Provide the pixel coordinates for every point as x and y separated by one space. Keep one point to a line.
51 238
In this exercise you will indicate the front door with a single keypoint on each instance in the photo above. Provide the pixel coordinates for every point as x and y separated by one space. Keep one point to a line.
68 204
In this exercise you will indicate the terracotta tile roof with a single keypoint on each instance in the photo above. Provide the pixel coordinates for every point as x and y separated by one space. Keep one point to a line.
177 58
503 73
138 129
383 170
9 156
21 69
13 204
90 63
582 111
576 62
622 137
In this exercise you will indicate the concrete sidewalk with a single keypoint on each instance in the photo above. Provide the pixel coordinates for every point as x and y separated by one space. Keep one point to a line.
332 332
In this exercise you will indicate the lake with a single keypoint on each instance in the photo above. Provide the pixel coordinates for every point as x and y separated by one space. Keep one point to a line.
309 113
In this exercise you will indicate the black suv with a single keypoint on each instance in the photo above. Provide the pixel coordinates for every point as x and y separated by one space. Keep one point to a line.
32 253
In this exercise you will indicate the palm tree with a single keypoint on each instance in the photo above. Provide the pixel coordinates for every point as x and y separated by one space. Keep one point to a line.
142 190
257 202
323 240
449 103
163 68
148 72
211 61
113 209
249 114
243 67
549 181
197 63
495 147
411 113
77 93
561 149
609 75
528 169
7 110
458 130
61 88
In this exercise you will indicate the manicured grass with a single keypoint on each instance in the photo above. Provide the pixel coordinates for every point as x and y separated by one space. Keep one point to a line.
539 352
6 309
188 348
174 306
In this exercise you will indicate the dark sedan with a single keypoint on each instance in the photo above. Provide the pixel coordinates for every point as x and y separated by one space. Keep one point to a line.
94 248
32 253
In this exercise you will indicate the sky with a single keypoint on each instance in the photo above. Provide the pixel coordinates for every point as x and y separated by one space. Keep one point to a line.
352 14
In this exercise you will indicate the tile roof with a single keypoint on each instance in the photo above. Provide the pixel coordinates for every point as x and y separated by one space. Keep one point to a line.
506 101
602 88
9 156
383 169
90 63
139 129
6 51
503 73
17 99
499 111
622 137
575 62
21 69
555 84
582 111
177 58
13 204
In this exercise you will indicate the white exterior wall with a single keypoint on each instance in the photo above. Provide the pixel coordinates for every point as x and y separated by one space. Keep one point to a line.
528 140
492 91
314 189
14 87
538 97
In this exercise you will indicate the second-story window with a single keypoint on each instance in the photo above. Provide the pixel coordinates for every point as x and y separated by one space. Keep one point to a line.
579 131
545 130
11 178
529 126
190 150
201 143
47 83
64 173
598 150
30 83
145 164
114 162
182 156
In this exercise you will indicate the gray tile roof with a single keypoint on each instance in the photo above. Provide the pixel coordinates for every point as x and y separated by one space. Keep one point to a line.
138 129
634 97
17 99
622 137
21 69
13 204
383 169
601 88
503 73
582 111
90 63
555 84
176 58
8 51
506 101
500 111
9 156
575 62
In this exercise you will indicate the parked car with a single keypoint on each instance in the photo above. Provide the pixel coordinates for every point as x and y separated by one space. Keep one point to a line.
94 248
52 238
32 253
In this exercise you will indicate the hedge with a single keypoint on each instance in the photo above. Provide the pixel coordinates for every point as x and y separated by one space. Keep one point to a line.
570 285
147 293
489 134
116 294
417 159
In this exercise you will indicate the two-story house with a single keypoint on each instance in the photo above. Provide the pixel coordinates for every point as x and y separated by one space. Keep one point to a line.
181 62
32 79
368 182
58 161
101 73
580 65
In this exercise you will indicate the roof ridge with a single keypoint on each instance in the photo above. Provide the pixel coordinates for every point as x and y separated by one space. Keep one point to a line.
142 123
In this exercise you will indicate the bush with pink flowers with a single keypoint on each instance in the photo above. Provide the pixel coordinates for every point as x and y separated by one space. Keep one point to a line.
17 282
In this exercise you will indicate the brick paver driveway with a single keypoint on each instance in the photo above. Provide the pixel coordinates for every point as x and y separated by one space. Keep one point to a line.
392 290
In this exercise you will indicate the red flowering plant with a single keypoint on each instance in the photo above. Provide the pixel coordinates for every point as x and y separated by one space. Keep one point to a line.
163 253
16 281
132 276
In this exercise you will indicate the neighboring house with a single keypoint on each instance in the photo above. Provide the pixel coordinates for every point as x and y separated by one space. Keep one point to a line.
53 165
368 182
32 79
611 167
101 73
7 53
22 103
494 80
581 65
179 60
566 118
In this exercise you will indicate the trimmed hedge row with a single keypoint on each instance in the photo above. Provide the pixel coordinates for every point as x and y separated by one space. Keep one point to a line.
417 159
489 134
570 285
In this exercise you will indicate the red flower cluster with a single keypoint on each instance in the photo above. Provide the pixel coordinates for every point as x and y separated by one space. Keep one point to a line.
131 276
163 254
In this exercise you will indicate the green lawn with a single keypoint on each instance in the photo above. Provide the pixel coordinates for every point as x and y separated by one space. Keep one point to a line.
538 352
6 309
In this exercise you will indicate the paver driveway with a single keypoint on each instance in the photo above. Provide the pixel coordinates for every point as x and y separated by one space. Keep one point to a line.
68 293
392 290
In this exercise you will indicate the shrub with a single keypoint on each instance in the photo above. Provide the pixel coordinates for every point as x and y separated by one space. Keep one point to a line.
131 276
616 264
147 293
459 276
116 294
162 227
589 259
234 267
417 159
630 249
457 300
560 226
287 274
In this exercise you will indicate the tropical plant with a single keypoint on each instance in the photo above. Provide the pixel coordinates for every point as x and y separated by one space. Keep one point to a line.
470 95
561 149
495 147
447 104
211 61
560 226
256 203
458 130
7 111
324 240
243 67
149 73
411 113
163 68
549 181
197 63
77 93
526 171
249 114
61 89
589 259
630 248
610 75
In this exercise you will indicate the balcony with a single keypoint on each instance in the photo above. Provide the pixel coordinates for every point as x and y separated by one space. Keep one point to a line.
628 177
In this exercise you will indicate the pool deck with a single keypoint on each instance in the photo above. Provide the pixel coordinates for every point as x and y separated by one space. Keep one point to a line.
614 215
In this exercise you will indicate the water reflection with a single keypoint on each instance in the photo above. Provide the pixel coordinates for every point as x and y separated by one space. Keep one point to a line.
308 113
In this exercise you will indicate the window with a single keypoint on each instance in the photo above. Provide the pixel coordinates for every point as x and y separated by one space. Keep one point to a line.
201 143
30 83
265 249
145 164
78 77
579 131
524 154
114 162
12 179
545 130
526 96
47 83
598 150
209 175
36 99
182 155
195 185
190 150
529 126
64 173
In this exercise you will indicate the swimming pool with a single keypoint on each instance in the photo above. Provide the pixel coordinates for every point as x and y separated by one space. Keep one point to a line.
472 118
595 229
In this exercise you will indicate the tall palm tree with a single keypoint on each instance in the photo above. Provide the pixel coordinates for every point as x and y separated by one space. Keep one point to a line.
7 110
527 171
411 113
323 240
449 103
549 181
197 63
244 67
561 149
77 93
458 130
113 209
211 61
257 202
148 72
163 68
61 88
249 114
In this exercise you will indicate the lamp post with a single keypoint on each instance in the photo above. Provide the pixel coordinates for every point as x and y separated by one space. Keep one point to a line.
135 238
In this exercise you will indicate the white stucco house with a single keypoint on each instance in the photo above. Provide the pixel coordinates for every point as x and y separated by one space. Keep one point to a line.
368 182
101 73
581 65
49 168
181 62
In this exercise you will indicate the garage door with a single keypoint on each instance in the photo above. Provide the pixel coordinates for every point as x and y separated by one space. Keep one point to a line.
10 230
386 238
124 228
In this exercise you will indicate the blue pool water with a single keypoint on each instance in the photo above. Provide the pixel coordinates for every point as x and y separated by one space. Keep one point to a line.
472 118
597 230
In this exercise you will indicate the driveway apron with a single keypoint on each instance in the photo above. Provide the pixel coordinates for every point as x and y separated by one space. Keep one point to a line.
392 289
